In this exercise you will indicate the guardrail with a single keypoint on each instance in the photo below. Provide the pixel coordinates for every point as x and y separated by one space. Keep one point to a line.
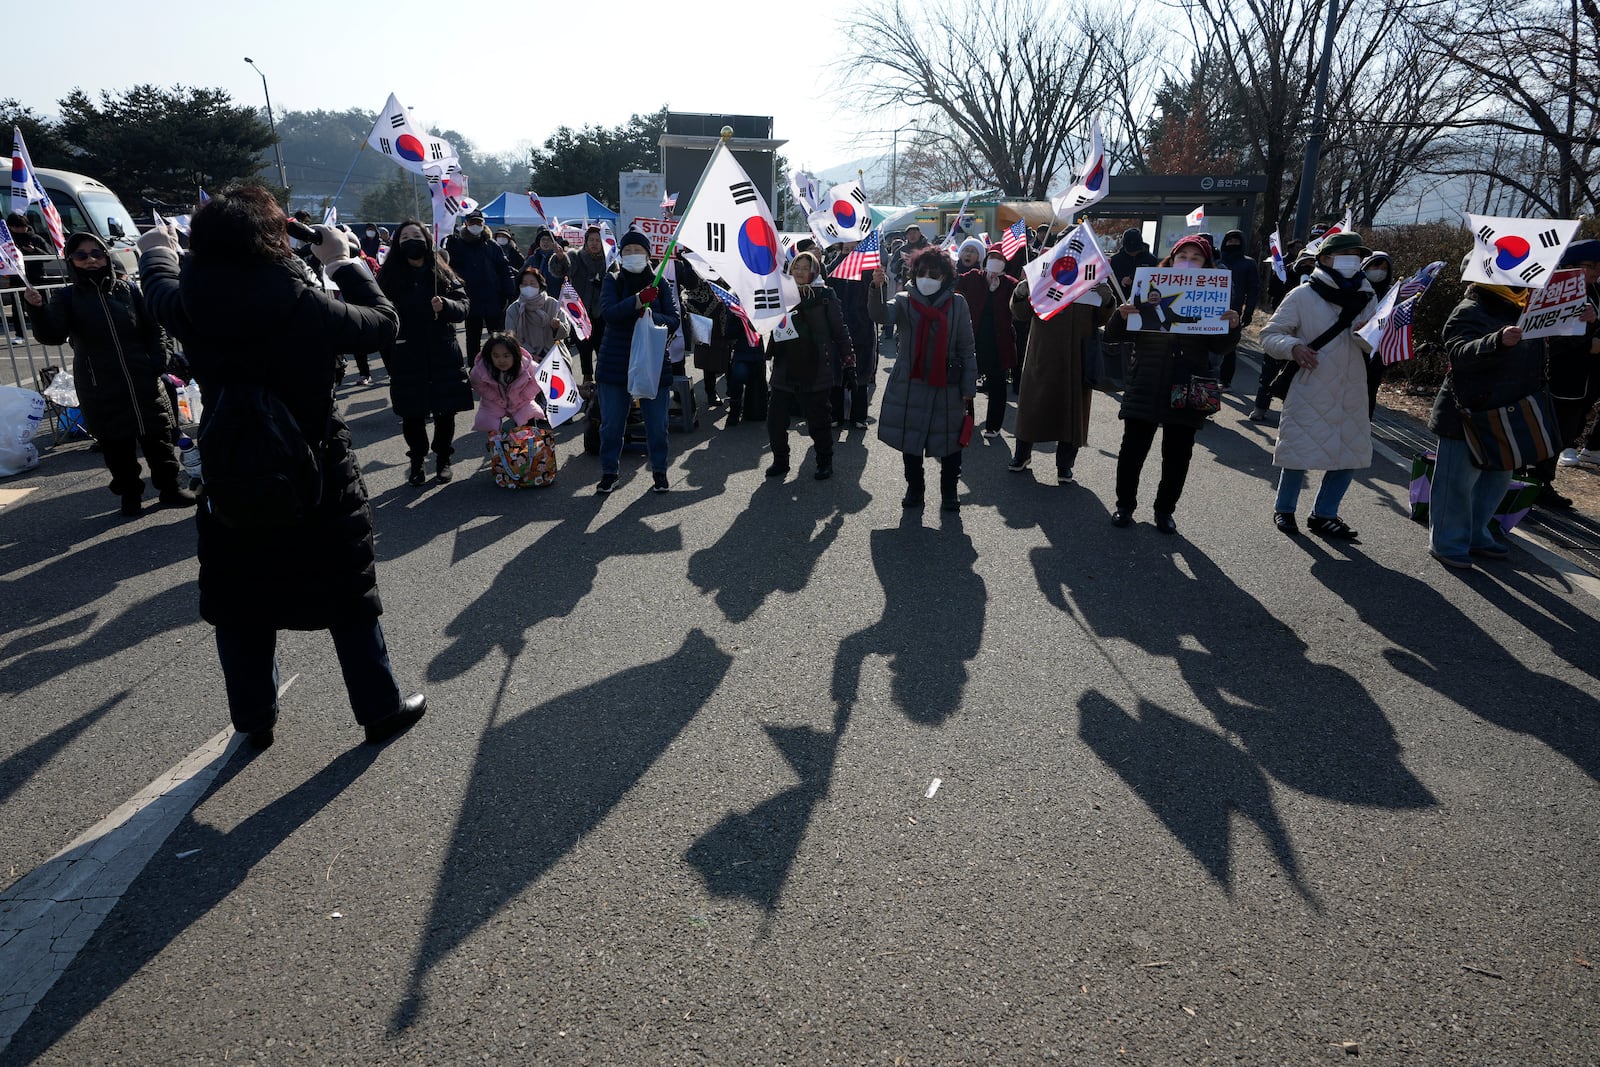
25 355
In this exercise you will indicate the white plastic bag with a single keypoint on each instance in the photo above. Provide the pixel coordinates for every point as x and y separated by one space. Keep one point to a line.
20 413
702 329
63 390
644 362
189 405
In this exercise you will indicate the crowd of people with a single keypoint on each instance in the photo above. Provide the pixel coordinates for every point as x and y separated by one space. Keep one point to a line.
249 306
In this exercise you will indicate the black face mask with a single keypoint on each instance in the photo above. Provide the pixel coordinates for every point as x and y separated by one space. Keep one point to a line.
414 248
1230 248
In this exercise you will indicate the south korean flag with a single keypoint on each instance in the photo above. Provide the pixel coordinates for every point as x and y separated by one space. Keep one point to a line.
1066 273
1513 251
727 233
394 135
843 215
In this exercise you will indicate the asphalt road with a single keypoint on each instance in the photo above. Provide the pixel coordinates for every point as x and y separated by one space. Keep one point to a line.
1222 797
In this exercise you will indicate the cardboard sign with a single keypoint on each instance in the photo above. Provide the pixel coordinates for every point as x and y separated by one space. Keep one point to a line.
1554 310
1190 300
659 231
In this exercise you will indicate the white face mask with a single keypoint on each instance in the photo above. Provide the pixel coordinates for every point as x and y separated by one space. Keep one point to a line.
1377 274
503 242
1347 266
529 292
635 264
475 230
995 266
372 233
929 286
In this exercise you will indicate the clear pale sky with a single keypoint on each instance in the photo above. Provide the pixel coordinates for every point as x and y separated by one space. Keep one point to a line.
502 74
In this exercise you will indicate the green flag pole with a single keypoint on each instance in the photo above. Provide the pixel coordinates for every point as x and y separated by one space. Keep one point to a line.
672 245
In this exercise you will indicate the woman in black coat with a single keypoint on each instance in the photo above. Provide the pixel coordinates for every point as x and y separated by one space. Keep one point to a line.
119 356
427 374
804 366
250 315
1160 361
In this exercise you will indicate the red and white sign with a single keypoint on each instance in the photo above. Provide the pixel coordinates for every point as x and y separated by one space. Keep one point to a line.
1554 310
659 231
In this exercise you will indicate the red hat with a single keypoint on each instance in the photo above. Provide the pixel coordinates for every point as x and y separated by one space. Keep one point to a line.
1197 241
996 250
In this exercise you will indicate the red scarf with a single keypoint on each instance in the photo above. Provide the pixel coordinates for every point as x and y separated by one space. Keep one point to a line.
930 348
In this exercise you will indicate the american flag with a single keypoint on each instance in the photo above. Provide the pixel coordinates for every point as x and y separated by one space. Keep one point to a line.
573 306
1396 344
737 310
667 204
865 258
1014 238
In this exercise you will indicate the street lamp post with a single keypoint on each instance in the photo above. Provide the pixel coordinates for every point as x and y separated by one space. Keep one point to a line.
283 176
894 164
1308 175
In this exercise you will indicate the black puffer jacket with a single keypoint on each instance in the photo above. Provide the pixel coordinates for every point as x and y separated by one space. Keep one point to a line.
119 353
481 264
1483 373
267 322
427 373
1160 361
806 363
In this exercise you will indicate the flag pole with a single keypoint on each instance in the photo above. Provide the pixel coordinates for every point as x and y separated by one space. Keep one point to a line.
347 174
672 245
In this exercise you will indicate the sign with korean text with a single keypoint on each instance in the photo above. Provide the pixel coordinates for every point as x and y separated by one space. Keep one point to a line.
1554 310
1190 300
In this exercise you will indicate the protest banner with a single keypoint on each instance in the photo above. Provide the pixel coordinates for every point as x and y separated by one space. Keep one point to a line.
1554 310
659 231
1190 300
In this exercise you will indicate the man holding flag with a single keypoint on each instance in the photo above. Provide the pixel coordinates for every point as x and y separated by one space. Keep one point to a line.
632 295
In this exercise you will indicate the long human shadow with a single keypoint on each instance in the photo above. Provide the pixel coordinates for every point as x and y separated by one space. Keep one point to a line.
932 625
1192 779
1442 647
1311 726
546 777
774 544
164 900
79 572
23 764
547 580
169 609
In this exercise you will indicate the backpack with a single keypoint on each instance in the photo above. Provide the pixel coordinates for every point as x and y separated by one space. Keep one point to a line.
260 474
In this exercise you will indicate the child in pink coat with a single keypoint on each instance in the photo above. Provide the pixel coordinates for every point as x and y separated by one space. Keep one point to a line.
502 375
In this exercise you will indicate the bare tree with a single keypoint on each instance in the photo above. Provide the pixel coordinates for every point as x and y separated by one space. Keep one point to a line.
1013 81
939 162
1541 60
1393 129
1270 51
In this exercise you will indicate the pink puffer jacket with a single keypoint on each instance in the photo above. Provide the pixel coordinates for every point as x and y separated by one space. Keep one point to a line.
518 401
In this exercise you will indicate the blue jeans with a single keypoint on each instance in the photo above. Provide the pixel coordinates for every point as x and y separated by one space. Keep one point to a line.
1463 501
250 673
614 406
1329 496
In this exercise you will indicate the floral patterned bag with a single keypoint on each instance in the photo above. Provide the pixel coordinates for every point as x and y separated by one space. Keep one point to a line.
522 457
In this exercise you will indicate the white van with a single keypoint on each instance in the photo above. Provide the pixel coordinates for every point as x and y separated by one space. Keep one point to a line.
86 206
